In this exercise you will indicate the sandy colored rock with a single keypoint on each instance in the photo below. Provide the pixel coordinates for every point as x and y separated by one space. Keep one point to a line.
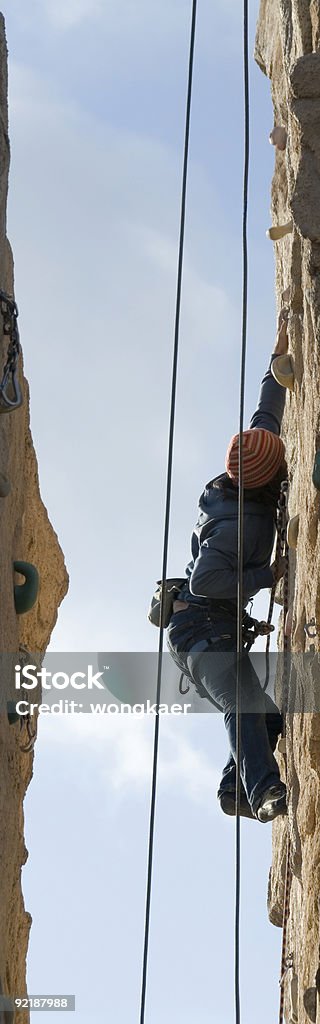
288 36
26 533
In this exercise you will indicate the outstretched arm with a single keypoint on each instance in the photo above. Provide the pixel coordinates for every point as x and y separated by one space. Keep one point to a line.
269 412
215 574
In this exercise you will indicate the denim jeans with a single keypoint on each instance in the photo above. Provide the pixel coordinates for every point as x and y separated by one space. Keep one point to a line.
205 650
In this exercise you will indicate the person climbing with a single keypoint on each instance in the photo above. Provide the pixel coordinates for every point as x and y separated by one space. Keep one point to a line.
202 632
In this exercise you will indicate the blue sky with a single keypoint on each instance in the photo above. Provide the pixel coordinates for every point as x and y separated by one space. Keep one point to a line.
97 99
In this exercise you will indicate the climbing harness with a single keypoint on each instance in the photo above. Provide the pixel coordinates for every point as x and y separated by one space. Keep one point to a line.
9 381
251 629
167 512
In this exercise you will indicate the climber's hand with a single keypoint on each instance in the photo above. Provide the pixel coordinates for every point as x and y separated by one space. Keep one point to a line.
281 346
265 628
280 569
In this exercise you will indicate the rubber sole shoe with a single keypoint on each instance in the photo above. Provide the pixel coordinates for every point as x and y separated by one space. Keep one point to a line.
273 803
228 805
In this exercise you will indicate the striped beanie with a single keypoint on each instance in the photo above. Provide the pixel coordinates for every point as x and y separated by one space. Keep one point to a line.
263 453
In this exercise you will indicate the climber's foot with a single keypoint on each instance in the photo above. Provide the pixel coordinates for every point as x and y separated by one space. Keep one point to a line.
273 803
227 803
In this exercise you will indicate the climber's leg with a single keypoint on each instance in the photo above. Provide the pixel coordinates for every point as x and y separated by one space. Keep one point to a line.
217 671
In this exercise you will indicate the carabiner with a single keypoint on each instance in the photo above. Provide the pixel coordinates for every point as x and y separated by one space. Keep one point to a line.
307 629
10 378
32 736
183 692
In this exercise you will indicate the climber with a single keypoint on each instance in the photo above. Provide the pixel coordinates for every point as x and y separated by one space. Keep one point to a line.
202 632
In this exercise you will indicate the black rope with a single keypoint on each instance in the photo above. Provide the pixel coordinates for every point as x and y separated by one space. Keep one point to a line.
240 508
167 511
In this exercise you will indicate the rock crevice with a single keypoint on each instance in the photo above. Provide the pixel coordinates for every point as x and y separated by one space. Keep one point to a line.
287 51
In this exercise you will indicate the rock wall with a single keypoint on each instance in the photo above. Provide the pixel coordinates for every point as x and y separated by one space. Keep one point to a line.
287 50
27 534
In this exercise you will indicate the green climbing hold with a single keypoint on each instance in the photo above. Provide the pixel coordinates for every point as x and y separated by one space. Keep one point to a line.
13 716
316 471
4 486
25 594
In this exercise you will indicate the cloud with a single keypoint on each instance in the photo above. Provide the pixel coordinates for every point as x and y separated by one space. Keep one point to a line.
123 749
93 217
66 14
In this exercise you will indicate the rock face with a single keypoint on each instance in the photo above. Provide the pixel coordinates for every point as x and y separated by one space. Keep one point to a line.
26 534
287 50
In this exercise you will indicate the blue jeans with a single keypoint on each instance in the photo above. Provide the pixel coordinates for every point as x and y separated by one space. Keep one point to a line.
205 650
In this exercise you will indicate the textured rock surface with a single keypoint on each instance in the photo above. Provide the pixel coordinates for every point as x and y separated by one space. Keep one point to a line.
26 533
287 50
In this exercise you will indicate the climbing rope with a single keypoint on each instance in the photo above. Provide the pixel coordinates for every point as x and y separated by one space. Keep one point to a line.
286 962
167 511
286 641
241 509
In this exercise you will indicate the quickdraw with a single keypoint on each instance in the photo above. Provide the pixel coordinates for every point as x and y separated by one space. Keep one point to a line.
10 391
288 966
183 690
282 519
32 735
251 629
25 722
310 629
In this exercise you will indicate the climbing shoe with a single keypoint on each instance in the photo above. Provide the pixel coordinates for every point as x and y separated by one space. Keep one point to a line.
273 803
227 803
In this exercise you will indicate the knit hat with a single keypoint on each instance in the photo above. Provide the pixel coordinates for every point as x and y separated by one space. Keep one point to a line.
263 453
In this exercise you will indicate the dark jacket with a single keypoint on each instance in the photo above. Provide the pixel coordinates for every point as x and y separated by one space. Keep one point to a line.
212 572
